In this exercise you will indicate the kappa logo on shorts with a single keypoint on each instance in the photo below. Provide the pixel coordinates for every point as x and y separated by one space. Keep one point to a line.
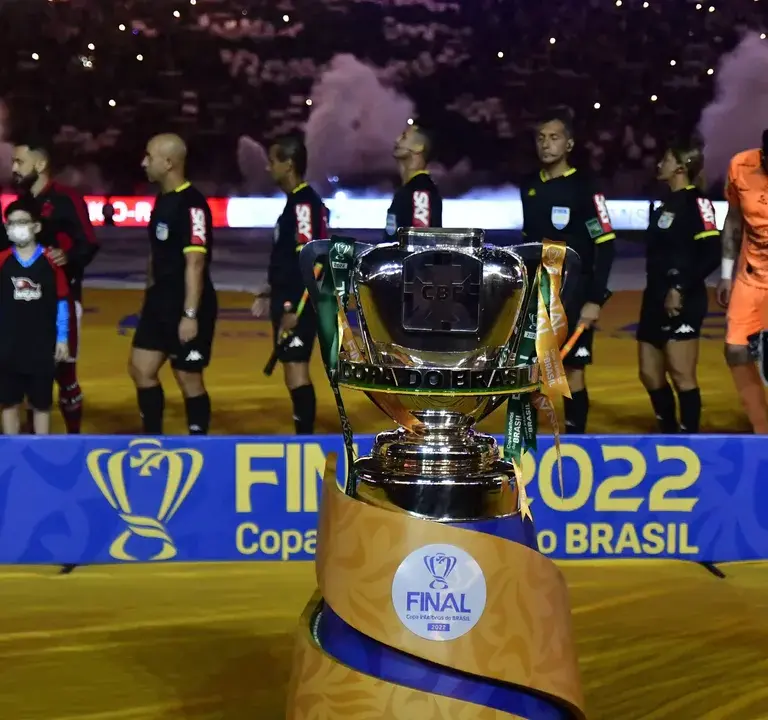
684 330
194 356
582 352
25 289
199 234
422 212
296 342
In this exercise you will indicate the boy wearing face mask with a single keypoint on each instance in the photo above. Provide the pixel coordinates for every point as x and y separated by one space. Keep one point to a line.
34 320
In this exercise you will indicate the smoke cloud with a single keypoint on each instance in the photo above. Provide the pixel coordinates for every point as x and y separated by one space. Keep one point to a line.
354 122
356 116
252 161
735 119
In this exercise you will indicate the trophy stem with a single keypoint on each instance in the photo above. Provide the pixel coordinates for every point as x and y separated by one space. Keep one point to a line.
447 475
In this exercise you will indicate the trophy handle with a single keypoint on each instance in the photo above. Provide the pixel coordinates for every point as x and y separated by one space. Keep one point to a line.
317 251
530 253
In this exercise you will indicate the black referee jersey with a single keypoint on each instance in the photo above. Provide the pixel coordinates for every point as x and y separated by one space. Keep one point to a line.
181 223
304 218
570 209
417 203
682 242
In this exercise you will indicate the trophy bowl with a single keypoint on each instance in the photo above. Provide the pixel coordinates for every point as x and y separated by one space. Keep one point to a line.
440 316
424 309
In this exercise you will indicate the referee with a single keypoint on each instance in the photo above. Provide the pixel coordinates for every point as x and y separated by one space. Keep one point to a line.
304 218
560 204
178 317
682 249
417 202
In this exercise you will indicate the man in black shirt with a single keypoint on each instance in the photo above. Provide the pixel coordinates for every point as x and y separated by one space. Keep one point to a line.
417 203
178 318
560 204
304 219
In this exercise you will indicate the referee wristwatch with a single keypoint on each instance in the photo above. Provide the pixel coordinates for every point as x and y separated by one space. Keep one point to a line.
190 313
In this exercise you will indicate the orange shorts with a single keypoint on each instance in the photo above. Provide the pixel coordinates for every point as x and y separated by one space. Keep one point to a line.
747 312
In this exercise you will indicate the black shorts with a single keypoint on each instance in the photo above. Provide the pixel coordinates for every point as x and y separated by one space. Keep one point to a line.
657 328
299 348
35 387
158 330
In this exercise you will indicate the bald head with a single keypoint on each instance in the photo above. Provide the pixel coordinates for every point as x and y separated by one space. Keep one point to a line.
165 158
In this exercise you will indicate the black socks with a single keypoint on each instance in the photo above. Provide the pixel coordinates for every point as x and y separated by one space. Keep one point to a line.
304 407
151 406
198 414
690 410
576 411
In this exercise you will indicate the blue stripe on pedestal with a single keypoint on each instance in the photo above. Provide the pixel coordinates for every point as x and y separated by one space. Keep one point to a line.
371 657
514 528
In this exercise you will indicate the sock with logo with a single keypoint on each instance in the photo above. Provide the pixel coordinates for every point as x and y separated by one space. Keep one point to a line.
70 397
304 407
151 406
690 410
576 411
198 414
663 401
752 394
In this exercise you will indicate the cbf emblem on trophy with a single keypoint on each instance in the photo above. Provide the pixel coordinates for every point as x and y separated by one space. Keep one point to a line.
176 471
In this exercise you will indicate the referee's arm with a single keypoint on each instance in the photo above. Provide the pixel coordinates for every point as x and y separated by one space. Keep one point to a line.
605 251
195 250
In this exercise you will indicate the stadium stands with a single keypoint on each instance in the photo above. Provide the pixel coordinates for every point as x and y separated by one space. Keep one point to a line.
104 75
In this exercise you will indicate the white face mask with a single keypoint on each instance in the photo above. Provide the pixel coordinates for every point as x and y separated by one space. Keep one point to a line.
20 234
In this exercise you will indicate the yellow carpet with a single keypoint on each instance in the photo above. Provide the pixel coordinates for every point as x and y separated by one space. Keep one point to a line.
246 402
657 641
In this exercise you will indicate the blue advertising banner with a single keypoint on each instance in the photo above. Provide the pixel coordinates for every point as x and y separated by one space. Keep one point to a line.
109 499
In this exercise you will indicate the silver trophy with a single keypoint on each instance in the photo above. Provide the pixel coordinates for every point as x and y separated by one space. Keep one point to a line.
441 316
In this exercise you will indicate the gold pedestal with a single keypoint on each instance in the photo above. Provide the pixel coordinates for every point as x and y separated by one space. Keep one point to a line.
522 642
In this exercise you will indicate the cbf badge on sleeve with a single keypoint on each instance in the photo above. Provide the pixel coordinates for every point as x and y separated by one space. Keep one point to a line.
666 220
161 232
560 217
391 224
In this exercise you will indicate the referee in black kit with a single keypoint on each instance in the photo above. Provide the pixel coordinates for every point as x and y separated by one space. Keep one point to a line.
682 249
417 202
304 218
561 204
178 317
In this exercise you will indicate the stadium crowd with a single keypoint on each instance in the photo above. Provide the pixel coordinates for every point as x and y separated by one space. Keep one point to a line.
635 72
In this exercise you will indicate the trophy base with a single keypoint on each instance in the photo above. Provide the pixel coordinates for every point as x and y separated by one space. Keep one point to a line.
442 477
422 619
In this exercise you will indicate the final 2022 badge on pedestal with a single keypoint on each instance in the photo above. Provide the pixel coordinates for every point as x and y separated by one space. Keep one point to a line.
433 600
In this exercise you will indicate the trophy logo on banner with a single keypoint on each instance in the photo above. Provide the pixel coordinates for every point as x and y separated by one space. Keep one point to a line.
440 567
431 583
171 472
